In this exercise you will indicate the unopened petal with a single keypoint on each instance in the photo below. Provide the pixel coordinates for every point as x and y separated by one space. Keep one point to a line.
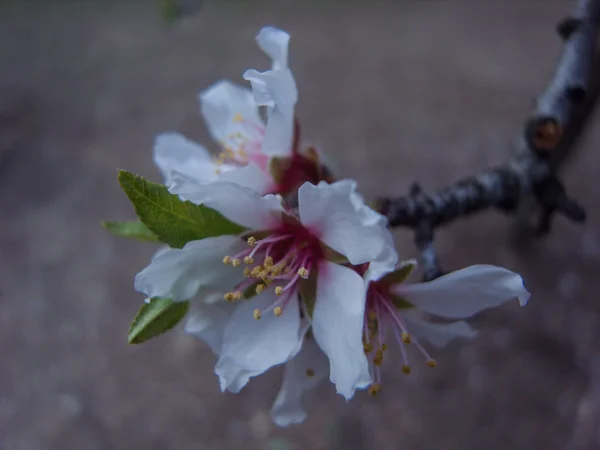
466 292
274 42
338 326
277 91
181 274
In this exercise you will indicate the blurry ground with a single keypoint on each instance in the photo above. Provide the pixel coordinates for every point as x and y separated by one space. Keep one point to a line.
393 91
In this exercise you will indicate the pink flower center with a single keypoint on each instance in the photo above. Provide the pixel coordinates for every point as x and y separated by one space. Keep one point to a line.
382 314
280 261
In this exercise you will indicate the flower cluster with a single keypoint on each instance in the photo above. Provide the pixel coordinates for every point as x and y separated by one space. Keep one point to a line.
313 281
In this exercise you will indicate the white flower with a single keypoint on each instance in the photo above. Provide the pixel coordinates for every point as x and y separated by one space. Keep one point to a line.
285 254
393 307
234 121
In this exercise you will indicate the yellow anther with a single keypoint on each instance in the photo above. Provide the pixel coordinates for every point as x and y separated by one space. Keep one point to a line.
275 270
406 370
259 288
431 363
238 118
236 262
264 274
378 360
256 271
247 272
227 260
310 372
257 314
374 389
406 337
279 290
268 262
229 296
368 348
248 260
251 241
372 315
384 347
303 272
237 295
278 311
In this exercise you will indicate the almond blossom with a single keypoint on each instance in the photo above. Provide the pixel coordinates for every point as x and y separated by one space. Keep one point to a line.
287 268
395 308
253 154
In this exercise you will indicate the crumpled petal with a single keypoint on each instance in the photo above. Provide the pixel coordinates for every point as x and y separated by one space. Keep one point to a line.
331 211
439 334
250 346
222 102
207 321
175 152
197 268
338 326
237 203
276 89
274 42
303 372
465 292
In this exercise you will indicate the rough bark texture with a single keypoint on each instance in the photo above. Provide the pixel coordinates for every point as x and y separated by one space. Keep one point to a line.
548 137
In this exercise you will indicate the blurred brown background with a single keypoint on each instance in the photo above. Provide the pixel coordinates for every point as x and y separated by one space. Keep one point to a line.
394 92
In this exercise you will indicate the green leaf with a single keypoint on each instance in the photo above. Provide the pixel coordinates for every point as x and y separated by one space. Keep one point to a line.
156 318
131 229
173 221
401 274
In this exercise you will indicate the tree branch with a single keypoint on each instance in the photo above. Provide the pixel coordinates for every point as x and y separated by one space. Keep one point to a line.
530 176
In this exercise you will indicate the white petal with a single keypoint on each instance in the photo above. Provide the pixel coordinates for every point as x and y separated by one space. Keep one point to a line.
208 321
274 43
250 346
175 152
181 274
330 211
466 292
311 361
277 91
439 334
338 326
220 103
239 204
250 176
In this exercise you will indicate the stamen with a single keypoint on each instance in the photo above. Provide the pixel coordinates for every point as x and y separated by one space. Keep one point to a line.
238 118
261 287
235 262
406 369
303 272
257 314
431 363
251 241
227 260
278 311
374 389
247 272
248 260
279 290
406 337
